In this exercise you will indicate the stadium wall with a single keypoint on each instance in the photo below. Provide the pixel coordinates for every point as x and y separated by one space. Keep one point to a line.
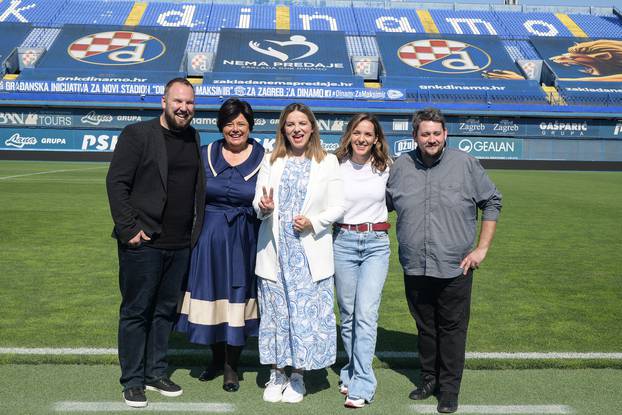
500 140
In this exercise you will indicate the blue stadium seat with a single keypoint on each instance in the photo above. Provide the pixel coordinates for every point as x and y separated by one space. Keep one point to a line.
41 13
468 22
41 37
599 26
372 20
362 46
194 16
513 49
323 18
94 12
527 49
524 25
204 20
225 16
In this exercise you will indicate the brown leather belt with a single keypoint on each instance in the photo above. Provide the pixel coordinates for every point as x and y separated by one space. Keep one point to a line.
365 227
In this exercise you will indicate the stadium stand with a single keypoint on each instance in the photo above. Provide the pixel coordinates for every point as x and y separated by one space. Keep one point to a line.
193 16
42 14
469 22
368 21
324 18
599 26
41 37
339 54
524 25
363 24
97 13
13 35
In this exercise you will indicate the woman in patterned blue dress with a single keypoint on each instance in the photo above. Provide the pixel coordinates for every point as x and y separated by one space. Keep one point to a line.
299 195
220 302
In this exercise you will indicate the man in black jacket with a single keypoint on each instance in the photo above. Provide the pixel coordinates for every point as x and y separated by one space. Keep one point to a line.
155 189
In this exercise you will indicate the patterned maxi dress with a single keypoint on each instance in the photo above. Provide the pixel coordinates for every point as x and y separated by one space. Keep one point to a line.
297 326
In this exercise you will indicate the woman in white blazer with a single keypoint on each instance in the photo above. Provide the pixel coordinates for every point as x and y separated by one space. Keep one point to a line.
299 195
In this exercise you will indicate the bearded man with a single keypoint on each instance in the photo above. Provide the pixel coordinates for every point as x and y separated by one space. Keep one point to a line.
155 189
437 192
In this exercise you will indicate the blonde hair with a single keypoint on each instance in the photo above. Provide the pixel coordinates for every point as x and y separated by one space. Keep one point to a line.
380 158
282 146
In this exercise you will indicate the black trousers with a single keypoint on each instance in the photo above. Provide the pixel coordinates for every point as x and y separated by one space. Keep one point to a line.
150 280
441 310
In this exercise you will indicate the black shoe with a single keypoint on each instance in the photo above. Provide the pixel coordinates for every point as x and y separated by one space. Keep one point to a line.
135 397
230 382
231 386
210 373
427 389
166 387
447 403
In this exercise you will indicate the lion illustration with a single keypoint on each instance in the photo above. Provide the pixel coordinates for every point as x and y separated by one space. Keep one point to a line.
601 59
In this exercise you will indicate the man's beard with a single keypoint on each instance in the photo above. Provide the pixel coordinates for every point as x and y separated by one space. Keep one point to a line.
174 124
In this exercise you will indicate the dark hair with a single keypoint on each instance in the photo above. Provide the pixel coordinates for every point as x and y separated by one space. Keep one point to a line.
230 110
427 114
282 146
380 158
182 81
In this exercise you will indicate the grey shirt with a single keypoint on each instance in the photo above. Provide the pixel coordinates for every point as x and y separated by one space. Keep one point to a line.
437 210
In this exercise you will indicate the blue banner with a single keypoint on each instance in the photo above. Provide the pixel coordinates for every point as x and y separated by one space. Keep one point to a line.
72 118
328 123
106 140
582 60
77 140
287 80
82 86
564 128
487 126
479 147
147 54
57 140
441 68
444 56
489 148
307 55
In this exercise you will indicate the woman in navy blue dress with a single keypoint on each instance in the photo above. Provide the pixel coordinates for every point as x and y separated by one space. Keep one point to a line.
220 302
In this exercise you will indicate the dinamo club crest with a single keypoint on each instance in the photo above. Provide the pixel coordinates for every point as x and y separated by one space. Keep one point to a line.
443 56
116 48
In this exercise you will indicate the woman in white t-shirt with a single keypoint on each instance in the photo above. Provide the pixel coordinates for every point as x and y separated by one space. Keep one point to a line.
361 252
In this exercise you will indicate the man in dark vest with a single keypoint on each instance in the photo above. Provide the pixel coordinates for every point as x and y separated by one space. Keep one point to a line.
155 189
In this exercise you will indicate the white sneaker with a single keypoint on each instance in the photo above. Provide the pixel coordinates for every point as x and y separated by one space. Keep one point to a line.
275 386
295 390
343 389
354 403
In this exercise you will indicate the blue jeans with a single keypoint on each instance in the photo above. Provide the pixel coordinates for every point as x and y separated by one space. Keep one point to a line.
361 266
150 280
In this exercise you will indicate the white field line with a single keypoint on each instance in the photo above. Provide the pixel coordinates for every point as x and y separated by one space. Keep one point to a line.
41 179
499 409
51 172
70 406
381 355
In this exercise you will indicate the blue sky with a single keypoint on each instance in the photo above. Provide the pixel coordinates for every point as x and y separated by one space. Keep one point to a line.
617 3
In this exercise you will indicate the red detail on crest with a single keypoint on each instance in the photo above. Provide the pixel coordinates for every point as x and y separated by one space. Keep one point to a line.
422 52
105 42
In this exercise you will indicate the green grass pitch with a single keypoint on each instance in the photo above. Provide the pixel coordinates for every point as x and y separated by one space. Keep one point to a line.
552 281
